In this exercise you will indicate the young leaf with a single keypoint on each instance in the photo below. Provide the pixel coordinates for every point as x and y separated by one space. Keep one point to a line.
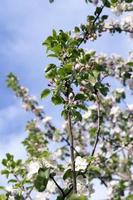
41 180
57 100
80 96
45 93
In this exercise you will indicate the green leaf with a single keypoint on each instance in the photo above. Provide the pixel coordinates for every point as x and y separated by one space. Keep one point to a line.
130 197
54 33
49 67
130 64
90 18
52 55
78 197
3 197
67 174
51 73
77 29
41 180
57 99
65 70
106 3
2 188
59 197
102 88
114 1
80 96
129 1
12 181
5 172
64 114
83 107
94 170
99 67
9 156
98 10
77 116
104 17
4 162
45 93
19 197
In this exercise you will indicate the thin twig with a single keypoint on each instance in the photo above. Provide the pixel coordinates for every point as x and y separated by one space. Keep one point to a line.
28 194
23 188
61 190
102 181
68 143
86 34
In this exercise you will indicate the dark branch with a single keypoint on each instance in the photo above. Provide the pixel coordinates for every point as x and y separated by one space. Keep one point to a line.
60 189
87 33
72 151
68 143
98 126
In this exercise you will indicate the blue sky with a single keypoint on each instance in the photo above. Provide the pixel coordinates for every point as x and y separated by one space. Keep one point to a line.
23 27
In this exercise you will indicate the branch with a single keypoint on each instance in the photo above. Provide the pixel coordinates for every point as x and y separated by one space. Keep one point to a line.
72 151
61 190
68 143
86 34
102 181
69 191
98 126
28 194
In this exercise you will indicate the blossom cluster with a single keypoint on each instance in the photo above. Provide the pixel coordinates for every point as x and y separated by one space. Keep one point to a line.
124 24
121 7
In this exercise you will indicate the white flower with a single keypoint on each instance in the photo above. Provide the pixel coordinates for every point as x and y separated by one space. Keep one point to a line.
32 168
26 106
87 114
25 90
51 187
78 148
9 188
46 119
40 107
101 58
93 107
42 195
84 82
123 133
77 66
58 153
120 90
130 107
12 190
80 163
115 110
117 9
117 129
11 198
110 188
49 164
65 125
71 96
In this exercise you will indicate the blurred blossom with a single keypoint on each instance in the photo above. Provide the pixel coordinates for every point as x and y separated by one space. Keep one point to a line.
80 163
